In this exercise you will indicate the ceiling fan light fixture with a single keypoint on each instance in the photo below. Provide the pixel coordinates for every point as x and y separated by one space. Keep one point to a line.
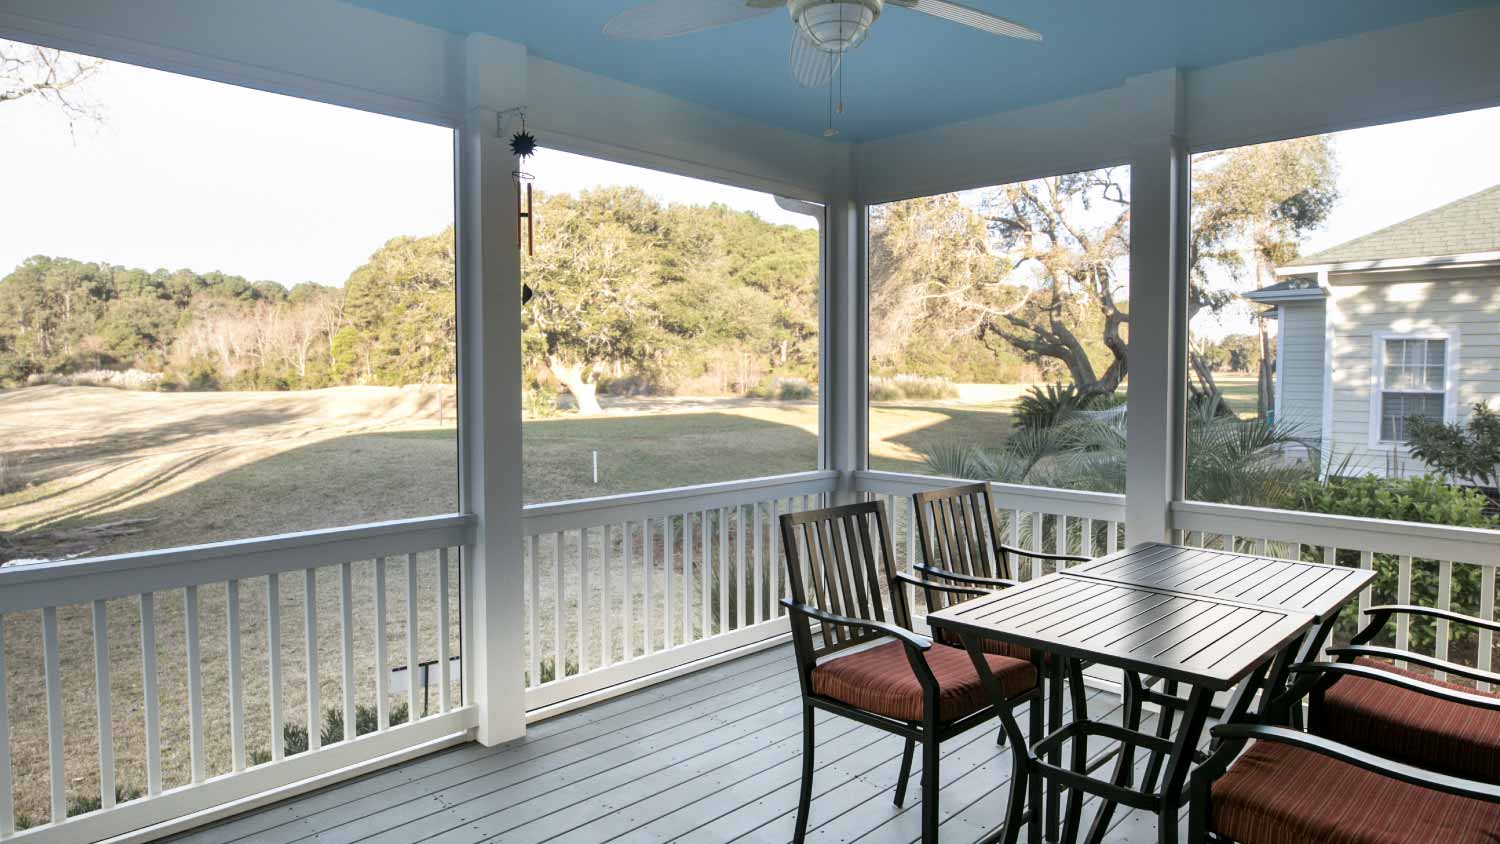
835 26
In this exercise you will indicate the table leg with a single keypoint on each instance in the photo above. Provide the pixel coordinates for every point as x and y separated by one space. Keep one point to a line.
1124 762
1194 717
1054 722
1164 721
1080 760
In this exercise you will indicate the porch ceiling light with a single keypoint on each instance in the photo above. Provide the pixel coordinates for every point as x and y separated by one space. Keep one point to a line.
835 26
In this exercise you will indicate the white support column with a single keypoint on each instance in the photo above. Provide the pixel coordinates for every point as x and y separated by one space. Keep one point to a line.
845 338
490 389
1158 310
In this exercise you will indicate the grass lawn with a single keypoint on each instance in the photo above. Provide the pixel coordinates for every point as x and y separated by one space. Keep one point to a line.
109 471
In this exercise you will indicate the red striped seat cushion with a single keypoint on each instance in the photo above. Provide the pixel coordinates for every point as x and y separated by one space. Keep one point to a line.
881 680
993 646
1409 726
1278 794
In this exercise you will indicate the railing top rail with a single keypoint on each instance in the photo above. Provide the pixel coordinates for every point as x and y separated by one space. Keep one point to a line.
613 509
1066 502
35 585
1382 536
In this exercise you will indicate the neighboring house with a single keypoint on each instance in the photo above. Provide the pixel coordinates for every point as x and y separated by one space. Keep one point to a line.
1402 322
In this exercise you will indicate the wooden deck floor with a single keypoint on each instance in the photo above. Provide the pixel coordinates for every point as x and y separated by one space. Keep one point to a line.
712 756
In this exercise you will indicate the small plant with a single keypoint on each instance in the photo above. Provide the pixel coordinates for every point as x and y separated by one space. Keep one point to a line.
366 720
1469 453
1052 405
82 805
548 671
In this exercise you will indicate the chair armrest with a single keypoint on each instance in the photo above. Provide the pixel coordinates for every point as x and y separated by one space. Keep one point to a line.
1382 612
938 587
1042 555
907 638
995 582
1433 662
1399 681
1395 770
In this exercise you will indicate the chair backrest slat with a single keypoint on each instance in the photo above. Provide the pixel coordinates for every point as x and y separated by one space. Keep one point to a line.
959 531
850 573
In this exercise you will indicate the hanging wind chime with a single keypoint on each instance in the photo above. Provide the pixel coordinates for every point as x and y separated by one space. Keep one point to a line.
523 145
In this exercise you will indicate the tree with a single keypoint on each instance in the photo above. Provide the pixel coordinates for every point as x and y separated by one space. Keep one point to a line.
593 303
1072 233
1251 208
56 78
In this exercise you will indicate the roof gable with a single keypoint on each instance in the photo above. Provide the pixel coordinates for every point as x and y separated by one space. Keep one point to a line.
1464 226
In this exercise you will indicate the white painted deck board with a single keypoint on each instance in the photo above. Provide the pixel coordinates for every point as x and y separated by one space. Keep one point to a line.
710 756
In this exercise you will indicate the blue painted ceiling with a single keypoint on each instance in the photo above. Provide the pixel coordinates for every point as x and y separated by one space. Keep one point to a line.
915 71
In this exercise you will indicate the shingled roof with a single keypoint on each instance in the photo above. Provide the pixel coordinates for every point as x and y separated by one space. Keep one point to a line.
1461 227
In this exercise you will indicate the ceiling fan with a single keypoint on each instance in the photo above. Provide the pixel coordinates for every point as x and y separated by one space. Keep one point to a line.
822 32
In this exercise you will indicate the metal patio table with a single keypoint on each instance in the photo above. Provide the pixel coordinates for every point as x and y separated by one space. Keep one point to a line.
1208 643
1316 588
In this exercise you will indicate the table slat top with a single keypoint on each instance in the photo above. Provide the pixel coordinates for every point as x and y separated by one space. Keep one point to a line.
1314 588
1202 640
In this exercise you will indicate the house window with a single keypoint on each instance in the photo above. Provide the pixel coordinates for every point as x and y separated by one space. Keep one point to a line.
1413 383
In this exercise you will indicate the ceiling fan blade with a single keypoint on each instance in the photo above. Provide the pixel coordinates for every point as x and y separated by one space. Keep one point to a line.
959 13
811 67
667 18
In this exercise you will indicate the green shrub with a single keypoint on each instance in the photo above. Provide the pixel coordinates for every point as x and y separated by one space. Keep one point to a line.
911 388
539 402
1426 499
1470 453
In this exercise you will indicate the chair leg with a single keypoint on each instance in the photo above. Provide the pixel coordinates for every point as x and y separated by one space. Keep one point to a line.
911 747
804 799
930 784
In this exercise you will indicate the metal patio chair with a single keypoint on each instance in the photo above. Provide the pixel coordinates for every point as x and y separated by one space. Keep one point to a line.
1292 787
843 577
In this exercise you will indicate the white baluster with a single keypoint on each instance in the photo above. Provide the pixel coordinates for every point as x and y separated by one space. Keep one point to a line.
1486 612
1403 596
195 683
236 682
443 628
606 596
148 687
102 699
582 611
559 659
273 650
413 660
382 666
346 633
533 637
310 642
51 660
648 553
1444 602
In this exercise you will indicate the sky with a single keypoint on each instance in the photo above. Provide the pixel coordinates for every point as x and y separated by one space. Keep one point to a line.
190 173
187 173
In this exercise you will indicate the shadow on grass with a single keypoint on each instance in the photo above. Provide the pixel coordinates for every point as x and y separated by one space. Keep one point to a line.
987 427
391 475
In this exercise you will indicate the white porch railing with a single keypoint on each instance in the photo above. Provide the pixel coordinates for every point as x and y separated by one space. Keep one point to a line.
1450 568
624 588
158 594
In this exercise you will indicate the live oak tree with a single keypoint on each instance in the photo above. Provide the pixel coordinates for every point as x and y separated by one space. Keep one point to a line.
1252 206
592 281
1067 237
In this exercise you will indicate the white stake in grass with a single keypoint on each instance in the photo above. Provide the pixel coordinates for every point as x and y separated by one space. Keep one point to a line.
596 465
